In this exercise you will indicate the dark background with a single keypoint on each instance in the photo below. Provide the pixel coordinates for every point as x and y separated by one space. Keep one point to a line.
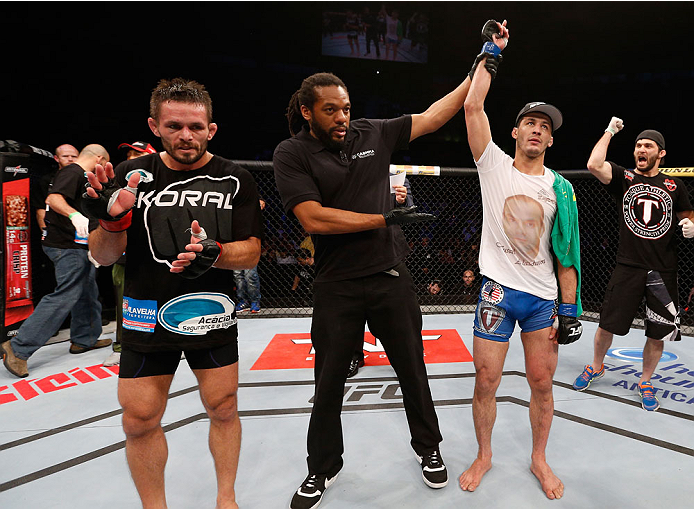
82 72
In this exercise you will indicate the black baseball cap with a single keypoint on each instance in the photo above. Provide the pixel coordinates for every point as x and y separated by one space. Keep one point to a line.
651 134
140 146
539 107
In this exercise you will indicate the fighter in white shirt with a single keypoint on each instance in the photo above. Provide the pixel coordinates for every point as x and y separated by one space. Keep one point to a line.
517 263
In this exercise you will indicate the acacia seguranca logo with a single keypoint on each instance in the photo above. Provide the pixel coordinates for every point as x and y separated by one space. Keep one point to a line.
647 211
145 176
197 313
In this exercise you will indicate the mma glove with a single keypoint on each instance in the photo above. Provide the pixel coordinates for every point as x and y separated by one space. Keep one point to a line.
489 49
100 207
404 215
491 64
205 259
615 125
569 329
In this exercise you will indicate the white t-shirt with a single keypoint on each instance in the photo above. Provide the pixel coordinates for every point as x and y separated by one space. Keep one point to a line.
519 211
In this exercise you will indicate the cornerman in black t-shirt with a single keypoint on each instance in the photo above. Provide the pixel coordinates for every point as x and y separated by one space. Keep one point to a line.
333 175
648 204
76 292
185 218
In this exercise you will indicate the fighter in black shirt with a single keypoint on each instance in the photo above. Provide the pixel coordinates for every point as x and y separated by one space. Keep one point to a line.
648 203
184 220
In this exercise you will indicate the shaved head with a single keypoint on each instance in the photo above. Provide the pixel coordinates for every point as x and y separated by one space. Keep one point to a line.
65 154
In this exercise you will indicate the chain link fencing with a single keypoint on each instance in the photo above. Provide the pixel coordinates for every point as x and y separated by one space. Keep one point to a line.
445 252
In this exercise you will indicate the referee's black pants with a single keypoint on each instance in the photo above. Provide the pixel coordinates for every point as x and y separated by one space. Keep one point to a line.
389 305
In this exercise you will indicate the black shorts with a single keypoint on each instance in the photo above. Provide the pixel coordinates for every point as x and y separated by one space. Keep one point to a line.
135 364
625 292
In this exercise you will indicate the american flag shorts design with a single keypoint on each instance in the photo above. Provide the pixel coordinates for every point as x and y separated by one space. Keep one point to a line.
492 292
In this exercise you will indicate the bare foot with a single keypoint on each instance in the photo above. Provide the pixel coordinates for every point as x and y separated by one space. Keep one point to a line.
470 479
551 484
227 505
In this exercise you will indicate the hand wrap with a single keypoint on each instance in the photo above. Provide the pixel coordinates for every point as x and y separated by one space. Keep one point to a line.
100 207
615 125
569 329
687 228
404 215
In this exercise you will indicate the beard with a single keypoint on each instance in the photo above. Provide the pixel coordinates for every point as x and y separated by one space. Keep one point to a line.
193 158
325 137
650 163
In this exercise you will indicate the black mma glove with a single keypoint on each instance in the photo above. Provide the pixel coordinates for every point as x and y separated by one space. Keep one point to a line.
491 64
569 329
404 215
489 30
211 251
99 207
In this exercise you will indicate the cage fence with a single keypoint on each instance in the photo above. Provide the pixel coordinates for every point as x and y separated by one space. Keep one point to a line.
444 253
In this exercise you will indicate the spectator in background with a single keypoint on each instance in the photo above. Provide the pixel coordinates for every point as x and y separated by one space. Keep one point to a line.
303 277
135 150
435 287
76 291
469 289
307 243
248 286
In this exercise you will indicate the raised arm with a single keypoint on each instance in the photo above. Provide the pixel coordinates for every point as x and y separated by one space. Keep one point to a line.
106 202
478 131
440 112
596 163
445 108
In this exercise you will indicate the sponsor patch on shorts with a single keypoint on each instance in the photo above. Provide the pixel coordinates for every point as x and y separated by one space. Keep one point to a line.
139 315
492 292
489 317
197 313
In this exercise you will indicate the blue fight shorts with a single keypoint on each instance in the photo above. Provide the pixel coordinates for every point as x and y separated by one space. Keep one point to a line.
499 307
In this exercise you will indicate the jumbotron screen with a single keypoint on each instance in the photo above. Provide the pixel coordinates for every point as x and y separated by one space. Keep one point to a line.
396 31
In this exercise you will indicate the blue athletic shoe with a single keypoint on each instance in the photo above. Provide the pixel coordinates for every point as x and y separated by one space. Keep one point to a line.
241 306
255 307
583 381
648 400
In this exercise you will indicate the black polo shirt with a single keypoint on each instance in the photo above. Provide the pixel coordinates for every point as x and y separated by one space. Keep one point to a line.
355 179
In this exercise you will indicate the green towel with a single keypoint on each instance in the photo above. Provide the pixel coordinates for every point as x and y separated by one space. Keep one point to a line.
565 238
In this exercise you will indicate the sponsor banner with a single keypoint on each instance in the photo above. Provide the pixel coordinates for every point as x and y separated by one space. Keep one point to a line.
673 382
636 355
197 313
30 388
294 351
139 315
678 172
416 170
